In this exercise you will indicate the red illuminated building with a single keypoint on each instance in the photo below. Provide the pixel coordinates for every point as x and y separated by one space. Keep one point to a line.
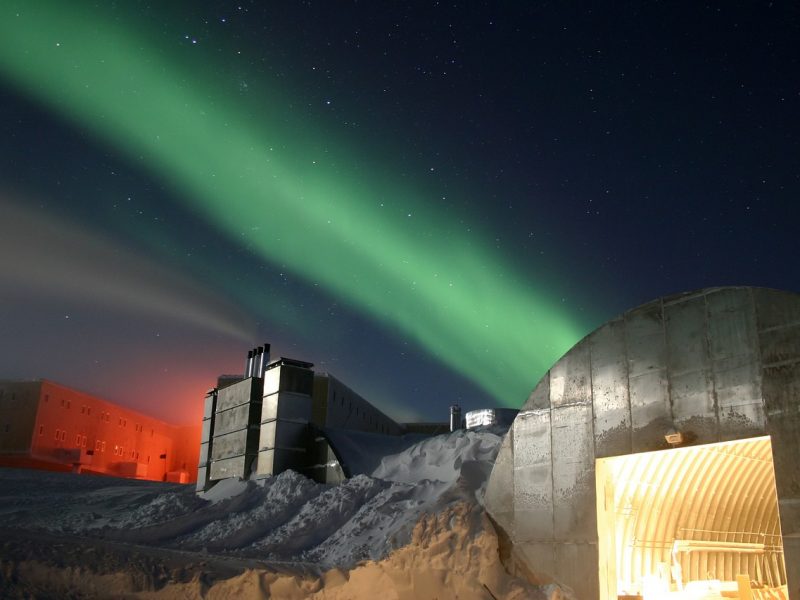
49 426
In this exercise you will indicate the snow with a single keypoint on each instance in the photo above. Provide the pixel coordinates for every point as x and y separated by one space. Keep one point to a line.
278 520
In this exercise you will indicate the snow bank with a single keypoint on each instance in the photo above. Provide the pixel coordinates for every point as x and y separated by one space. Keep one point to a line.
369 529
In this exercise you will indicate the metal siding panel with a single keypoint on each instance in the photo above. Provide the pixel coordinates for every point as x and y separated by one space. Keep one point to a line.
781 394
205 431
283 434
781 386
272 381
287 405
780 344
533 483
731 323
651 415
612 411
644 338
267 435
574 510
540 559
234 419
687 347
570 381
237 466
231 444
540 396
693 410
298 380
202 474
288 459
265 462
204 457
558 383
499 496
236 394
791 556
775 308
577 567
737 382
269 408
209 405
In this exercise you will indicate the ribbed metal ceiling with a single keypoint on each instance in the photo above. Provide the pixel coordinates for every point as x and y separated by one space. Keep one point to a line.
723 494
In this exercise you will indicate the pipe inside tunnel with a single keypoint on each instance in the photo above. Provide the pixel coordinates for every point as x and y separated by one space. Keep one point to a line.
686 521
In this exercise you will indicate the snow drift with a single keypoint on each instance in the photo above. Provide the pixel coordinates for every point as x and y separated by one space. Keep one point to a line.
413 527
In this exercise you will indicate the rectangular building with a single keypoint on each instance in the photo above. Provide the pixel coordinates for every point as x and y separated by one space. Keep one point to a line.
50 426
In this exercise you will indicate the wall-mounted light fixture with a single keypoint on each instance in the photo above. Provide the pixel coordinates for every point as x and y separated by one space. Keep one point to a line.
674 438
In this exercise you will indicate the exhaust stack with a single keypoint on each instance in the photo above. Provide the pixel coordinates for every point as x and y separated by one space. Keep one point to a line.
248 365
258 366
455 417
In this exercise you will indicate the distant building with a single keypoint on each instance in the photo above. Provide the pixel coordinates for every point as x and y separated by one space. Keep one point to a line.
46 425
278 417
490 416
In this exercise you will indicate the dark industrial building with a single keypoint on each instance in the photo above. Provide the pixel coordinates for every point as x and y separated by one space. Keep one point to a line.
277 417
45 425
658 458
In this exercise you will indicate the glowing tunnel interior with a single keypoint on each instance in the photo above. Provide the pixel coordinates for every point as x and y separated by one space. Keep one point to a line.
676 521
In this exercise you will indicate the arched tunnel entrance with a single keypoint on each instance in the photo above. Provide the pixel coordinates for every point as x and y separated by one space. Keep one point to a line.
696 522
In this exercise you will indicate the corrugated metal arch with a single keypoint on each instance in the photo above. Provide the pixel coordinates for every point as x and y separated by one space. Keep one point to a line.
723 494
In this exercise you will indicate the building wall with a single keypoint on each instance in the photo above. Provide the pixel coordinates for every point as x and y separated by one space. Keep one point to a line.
717 364
19 401
235 436
72 429
346 409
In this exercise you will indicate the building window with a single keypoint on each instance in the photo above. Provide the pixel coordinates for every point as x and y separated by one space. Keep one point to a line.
62 402
103 447
88 410
78 440
63 436
41 429
58 434
97 445
69 404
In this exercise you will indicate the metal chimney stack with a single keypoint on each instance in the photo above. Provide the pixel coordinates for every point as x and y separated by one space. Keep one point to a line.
248 365
258 366
455 417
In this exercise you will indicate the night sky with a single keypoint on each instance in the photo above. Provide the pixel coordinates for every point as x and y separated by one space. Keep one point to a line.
431 201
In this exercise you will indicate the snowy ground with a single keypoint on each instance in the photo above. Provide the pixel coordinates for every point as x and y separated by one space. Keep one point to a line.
282 537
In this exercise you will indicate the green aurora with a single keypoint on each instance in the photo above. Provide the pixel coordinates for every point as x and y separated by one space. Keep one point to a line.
294 199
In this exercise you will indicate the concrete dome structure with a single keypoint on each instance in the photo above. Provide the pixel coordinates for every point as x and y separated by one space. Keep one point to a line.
648 457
